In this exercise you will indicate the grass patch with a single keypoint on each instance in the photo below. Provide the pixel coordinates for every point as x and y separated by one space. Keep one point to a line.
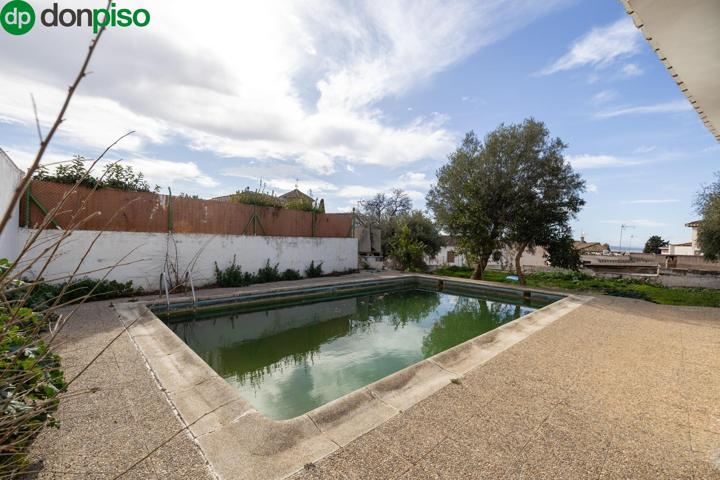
576 281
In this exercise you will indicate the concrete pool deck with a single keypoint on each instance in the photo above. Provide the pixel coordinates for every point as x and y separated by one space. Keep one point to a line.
615 388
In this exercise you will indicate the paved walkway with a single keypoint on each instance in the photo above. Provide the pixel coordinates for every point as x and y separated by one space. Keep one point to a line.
618 388
116 414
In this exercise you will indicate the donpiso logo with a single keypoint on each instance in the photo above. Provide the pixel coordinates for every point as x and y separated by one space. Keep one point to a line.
18 17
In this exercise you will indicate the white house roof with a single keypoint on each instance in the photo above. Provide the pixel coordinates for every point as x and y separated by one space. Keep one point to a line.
686 37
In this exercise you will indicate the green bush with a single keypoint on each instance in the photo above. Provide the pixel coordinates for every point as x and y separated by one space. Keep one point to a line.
313 271
291 274
30 381
620 292
114 176
232 276
44 294
407 251
571 276
261 199
268 273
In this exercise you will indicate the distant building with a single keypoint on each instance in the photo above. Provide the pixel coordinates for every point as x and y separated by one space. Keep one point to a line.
590 248
294 194
450 255
686 248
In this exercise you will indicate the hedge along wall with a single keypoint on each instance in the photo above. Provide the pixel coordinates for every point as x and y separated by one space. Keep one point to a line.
122 211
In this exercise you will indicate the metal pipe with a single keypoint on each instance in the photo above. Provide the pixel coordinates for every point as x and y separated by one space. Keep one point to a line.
192 288
167 293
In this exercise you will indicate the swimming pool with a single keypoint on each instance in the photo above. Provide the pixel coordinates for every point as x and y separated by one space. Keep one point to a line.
289 354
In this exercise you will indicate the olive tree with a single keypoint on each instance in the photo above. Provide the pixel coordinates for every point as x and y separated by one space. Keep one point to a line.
471 198
707 205
547 192
561 251
514 188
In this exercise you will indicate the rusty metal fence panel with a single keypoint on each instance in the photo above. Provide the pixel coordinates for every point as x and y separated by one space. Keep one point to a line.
334 225
117 210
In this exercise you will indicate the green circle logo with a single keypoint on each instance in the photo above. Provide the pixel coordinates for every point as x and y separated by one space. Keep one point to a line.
17 17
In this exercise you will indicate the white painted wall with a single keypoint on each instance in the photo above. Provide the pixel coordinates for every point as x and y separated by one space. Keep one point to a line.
10 176
536 259
680 250
147 254
441 259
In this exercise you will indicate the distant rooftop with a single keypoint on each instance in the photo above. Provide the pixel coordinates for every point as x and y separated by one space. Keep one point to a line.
597 247
294 194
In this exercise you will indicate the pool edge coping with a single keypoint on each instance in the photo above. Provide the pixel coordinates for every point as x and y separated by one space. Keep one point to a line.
218 416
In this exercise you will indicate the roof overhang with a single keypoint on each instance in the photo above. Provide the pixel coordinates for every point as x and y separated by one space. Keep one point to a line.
685 34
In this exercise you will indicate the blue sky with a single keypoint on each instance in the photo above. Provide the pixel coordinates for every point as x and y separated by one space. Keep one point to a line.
350 99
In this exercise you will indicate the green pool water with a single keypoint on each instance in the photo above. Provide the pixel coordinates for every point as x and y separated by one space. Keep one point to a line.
289 360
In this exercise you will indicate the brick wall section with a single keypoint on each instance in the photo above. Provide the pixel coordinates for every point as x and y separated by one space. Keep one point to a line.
150 212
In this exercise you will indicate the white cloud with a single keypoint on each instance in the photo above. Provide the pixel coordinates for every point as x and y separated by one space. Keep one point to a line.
600 47
472 100
604 96
414 179
286 81
665 107
587 161
277 176
592 188
642 149
23 157
651 201
166 172
416 196
631 70
93 121
414 184
306 185
156 171
358 192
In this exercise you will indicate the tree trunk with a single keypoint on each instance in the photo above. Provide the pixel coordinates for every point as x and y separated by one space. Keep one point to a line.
518 267
480 268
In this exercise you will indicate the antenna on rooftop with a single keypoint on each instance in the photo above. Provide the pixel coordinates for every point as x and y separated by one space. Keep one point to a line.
624 227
